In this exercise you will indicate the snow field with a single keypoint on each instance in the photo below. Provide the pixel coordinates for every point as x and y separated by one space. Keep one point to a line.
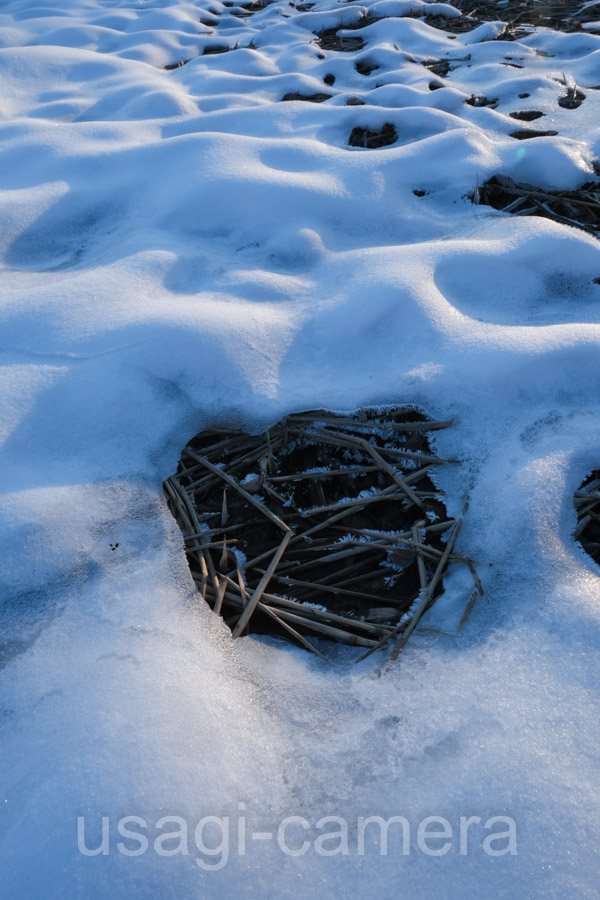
181 248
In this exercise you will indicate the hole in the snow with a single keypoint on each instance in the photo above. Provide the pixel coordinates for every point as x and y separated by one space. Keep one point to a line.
331 40
481 100
526 115
587 504
370 140
308 98
458 25
572 99
365 66
324 526
525 134
257 5
329 79
560 15
580 207
177 65
212 49
439 67
248 9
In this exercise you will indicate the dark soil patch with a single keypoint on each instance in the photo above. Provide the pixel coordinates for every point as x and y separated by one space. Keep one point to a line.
308 98
456 25
442 67
587 504
525 134
572 99
370 140
478 100
365 66
526 115
177 65
257 5
213 49
439 67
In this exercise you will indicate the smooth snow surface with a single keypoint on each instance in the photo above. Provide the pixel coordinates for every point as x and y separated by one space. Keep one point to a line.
178 247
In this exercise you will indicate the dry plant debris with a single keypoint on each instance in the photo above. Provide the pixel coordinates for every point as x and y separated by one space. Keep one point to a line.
573 97
324 525
365 66
371 140
442 67
479 100
525 134
587 504
307 98
526 115
177 65
331 40
580 208
212 49
560 15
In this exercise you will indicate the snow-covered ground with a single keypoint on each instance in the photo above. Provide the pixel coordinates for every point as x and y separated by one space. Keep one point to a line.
180 248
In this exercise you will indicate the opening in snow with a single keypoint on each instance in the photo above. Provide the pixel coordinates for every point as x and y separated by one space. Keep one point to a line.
587 504
527 134
308 98
362 137
324 525
479 100
580 207
331 40
526 115
519 16
365 66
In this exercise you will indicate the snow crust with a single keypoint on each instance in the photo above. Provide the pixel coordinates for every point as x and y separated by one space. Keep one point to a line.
178 248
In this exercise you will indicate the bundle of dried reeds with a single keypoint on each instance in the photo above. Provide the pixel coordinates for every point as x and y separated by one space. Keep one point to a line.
580 208
324 525
587 504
